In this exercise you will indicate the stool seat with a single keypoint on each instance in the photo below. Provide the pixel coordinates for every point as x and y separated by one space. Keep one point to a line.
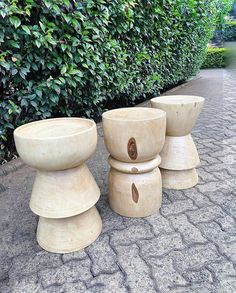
56 144
134 134
182 112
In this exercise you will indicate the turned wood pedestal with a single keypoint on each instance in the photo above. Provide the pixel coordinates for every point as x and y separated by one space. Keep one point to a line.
179 156
64 192
134 137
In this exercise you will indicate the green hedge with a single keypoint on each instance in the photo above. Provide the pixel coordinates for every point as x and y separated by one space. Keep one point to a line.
223 9
215 58
229 32
63 58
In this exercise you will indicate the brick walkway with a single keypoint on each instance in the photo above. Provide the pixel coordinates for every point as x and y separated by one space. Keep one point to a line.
189 247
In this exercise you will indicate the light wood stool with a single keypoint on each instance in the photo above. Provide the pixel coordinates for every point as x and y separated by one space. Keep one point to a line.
64 192
134 137
179 156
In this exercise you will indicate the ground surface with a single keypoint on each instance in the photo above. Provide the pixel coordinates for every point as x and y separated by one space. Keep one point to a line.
189 247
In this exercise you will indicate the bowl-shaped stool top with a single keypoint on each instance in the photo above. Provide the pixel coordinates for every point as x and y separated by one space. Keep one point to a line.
182 112
56 144
134 134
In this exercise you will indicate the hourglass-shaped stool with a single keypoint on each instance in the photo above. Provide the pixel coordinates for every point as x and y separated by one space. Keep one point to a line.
179 156
64 192
134 138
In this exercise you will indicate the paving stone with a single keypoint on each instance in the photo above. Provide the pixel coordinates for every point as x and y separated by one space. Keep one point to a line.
111 220
4 286
27 247
227 224
6 264
200 276
203 150
159 224
205 214
229 249
25 285
230 206
177 207
165 199
104 259
200 200
72 271
227 285
25 265
222 174
206 176
174 195
212 160
139 278
217 167
74 256
231 169
165 274
222 269
216 185
221 197
229 159
108 283
189 232
196 288
161 245
133 221
213 232
68 288
131 234
195 257
204 162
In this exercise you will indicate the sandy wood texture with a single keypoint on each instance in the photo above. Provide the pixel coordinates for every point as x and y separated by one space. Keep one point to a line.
179 156
179 153
69 234
134 137
179 179
134 168
56 144
134 134
135 195
182 112
64 192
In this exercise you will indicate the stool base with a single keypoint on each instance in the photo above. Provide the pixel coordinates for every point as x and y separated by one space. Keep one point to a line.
179 179
69 234
61 194
179 153
135 195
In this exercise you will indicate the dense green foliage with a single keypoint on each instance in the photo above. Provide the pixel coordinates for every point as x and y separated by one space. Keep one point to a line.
215 58
223 7
224 31
64 57
229 33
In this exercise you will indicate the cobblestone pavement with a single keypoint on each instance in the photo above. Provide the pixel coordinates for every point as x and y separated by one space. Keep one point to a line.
189 247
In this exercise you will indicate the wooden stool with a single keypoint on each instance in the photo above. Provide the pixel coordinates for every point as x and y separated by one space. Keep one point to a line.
64 192
134 137
179 156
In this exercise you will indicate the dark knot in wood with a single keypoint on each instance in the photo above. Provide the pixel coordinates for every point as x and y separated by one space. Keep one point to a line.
132 149
135 194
